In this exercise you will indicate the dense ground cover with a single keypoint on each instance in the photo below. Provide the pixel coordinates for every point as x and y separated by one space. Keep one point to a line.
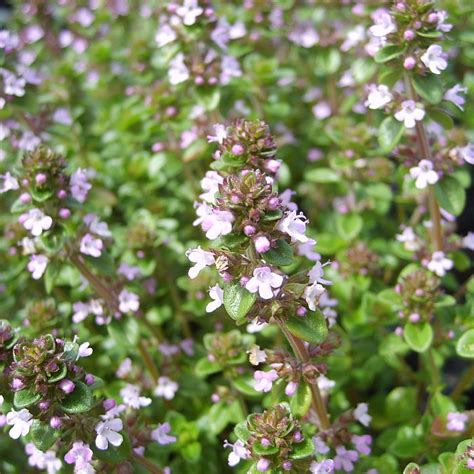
236 237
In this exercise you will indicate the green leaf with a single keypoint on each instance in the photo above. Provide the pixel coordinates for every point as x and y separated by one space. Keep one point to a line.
71 351
429 87
390 133
450 195
441 117
58 375
400 404
244 385
301 400
241 431
406 444
441 405
322 175
42 435
260 450
24 398
465 345
281 255
349 225
303 449
388 53
79 401
205 367
418 336
311 328
115 455
237 300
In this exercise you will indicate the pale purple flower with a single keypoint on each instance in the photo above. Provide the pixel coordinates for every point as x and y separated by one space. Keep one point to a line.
62 116
220 134
291 388
379 96
453 95
324 467
85 350
84 17
424 174
467 153
345 458
210 184
285 198
383 25
67 386
263 464
166 388
316 274
36 221
361 414
108 432
439 263
13 85
217 295
201 259
239 452
130 272
131 397
264 380
304 34
294 225
91 246
128 302
178 71
322 110
256 355
441 25
409 239
124 369
189 11
4 133
20 421
362 443
80 455
96 226
262 244
320 446
165 35
79 185
161 436
218 223
456 421
434 59
43 460
37 266
307 250
354 37
28 141
312 293
230 68
8 182
468 241
410 113
263 281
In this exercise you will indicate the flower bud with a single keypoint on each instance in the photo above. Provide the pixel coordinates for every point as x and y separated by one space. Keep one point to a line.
399 331
272 165
215 398
263 465
17 384
286 465
244 280
41 178
55 422
409 62
43 405
90 379
414 317
265 442
298 437
108 404
409 35
238 149
67 386
62 194
226 276
262 244
212 81
273 203
64 213
25 198
157 147
301 311
199 80
433 17
249 230
400 6
290 389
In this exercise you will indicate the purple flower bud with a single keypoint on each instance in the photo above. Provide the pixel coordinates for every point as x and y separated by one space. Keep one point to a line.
43 405
212 80
3 421
209 12
25 182
414 317
67 386
64 213
273 203
17 384
55 422
23 218
298 436
409 63
41 178
157 147
433 17
249 230
400 6
262 244
238 149
234 199
291 388
215 398
399 331
108 404
286 465
417 25
409 35
25 198
62 194
244 280
301 311
273 165
90 379
265 442
263 465
170 111
227 277
199 80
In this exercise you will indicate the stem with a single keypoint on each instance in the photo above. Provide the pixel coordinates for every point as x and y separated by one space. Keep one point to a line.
303 356
424 152
147 464
465 382
148 361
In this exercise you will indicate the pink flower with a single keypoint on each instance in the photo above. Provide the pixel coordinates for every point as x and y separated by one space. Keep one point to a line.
383 26
263 281
218 223
316 274
312 293
264 380
178 71
217 295
294 225
161 436
320 446
220 134
91 246
130 272
379 97
210 184
201 259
